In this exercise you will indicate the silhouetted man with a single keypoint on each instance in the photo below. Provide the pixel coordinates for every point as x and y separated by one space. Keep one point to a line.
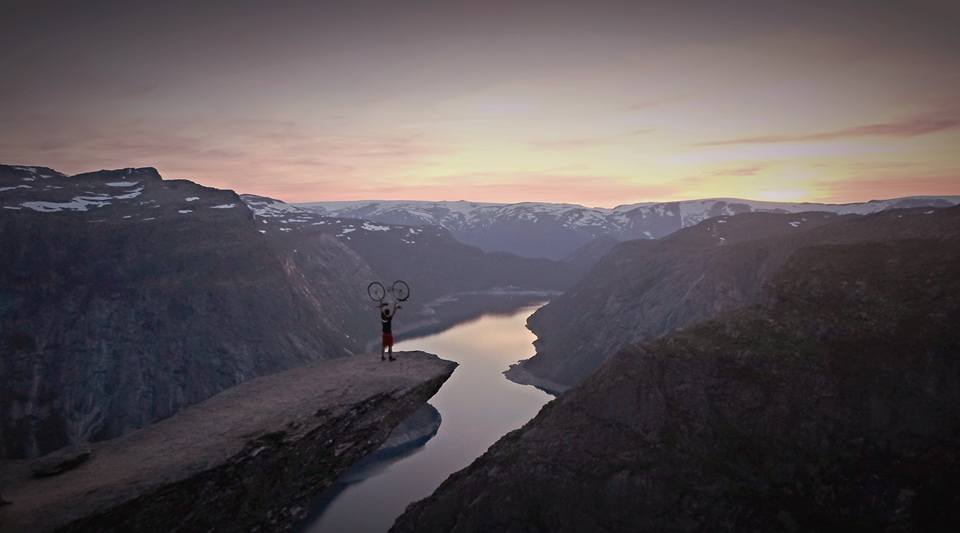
386 318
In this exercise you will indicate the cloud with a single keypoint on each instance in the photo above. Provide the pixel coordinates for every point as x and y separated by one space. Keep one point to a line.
739 171
267 157
905 128
586 142
647 104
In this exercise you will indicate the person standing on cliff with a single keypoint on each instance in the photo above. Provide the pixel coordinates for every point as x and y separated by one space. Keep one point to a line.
386 319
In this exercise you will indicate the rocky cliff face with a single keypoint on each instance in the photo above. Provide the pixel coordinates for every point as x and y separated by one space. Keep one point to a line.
125 297
644 289
833 405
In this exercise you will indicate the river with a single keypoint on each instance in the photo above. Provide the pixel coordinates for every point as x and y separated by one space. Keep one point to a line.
478 405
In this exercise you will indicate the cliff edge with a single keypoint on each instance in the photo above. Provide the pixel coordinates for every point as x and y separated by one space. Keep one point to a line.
249 458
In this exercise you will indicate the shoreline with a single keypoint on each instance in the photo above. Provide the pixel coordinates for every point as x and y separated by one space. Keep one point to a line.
521 376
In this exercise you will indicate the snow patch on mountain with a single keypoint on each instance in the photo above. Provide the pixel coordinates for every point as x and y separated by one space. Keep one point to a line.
130 194
374 227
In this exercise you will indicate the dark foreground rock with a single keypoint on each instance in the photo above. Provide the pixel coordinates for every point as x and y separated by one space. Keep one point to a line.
248 459
833 406
61 460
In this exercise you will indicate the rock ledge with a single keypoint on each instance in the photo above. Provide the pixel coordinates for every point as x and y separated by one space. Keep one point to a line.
250 458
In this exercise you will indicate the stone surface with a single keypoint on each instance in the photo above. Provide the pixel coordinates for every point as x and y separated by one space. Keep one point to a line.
832 406
414 430
248 459
61 460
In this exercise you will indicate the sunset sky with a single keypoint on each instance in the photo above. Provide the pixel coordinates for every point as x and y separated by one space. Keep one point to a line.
597 103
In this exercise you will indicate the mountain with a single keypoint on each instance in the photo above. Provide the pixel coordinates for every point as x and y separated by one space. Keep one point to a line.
646 288
428 257
125 297
557 230
584 258
832 405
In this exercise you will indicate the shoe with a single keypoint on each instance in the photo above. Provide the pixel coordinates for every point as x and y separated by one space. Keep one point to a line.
393 358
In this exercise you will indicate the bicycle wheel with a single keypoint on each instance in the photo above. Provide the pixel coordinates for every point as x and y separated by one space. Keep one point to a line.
401 290
376 291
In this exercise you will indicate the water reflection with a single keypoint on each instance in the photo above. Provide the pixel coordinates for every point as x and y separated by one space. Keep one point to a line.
478 406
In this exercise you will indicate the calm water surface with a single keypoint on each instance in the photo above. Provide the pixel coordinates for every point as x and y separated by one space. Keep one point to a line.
478 406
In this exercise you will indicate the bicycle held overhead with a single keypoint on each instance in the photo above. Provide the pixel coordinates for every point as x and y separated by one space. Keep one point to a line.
400 292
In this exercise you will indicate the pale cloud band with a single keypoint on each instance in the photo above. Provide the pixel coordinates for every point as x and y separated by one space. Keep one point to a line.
905 128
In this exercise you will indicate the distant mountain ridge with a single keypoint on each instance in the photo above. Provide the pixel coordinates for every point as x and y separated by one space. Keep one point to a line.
427 256
555 231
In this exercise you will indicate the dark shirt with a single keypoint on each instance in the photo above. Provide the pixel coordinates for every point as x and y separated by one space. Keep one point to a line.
387 322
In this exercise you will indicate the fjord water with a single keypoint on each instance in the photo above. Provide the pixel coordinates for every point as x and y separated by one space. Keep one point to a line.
478 405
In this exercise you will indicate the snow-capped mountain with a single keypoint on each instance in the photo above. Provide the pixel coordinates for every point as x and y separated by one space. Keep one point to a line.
427 256
557 230
129 195
278 216
528 229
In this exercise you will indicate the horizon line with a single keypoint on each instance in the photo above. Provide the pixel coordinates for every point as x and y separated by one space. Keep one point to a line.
638 203
646 202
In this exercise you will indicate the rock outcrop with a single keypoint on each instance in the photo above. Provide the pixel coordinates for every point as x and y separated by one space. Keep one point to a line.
248 459
414 431
61 460
646 288
125 297
832 405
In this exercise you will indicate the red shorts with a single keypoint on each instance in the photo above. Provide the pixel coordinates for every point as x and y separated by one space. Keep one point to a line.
387 339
